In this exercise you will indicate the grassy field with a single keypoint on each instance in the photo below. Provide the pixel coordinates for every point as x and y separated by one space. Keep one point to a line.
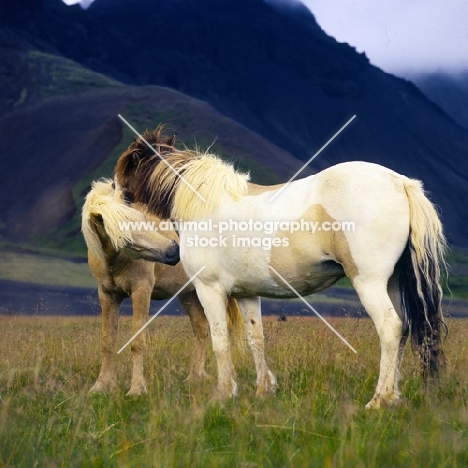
317 418
43 269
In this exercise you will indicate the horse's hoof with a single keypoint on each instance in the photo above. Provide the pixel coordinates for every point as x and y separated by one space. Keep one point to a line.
384 402
102 386
137 390
267 386
225 392
373 404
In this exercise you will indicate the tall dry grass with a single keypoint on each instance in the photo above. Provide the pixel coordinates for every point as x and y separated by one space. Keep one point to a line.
47 419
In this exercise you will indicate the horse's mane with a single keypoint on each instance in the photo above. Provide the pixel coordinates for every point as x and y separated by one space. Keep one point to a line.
183 184
140 151
188 184
108 202
212 179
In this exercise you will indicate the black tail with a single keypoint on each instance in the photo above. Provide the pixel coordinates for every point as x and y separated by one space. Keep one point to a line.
426 329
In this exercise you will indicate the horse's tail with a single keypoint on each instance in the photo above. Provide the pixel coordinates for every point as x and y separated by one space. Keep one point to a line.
420 275
236 324
103 208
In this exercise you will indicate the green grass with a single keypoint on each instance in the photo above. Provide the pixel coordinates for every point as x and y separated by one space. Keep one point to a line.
457 284
317 418
42 269
52 76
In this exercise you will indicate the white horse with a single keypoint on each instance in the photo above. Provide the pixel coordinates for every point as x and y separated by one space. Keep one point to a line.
392 257
116 259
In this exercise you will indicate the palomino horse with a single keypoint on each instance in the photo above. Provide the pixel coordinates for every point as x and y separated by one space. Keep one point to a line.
116 260
264 241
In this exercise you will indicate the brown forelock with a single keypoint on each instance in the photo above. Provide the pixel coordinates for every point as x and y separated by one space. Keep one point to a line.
140 150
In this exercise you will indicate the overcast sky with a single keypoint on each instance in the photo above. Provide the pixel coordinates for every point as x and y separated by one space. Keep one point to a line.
400 35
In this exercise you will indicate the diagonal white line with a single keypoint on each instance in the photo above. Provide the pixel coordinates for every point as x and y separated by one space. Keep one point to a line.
161 309
312 309
312 158
160 157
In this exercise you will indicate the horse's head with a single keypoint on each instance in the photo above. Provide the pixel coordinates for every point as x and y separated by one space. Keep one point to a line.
111 226
176 184
152 247
150 176
144 152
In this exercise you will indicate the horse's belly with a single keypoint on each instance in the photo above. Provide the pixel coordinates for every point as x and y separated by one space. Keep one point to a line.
285 282
309 280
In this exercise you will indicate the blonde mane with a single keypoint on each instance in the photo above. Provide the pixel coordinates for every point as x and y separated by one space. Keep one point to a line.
200 185
105 201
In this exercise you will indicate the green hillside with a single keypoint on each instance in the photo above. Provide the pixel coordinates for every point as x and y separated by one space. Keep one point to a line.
77 109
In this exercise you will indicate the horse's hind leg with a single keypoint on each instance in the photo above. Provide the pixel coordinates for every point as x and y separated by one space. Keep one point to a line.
394 293
374 297
251 311
141 298
110 316
201 331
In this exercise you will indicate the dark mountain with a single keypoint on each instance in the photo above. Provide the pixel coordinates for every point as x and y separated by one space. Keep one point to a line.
269 66
447 90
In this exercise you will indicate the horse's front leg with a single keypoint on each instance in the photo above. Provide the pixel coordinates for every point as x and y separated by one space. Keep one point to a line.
141 298
201 331
110 317
214 304
251 311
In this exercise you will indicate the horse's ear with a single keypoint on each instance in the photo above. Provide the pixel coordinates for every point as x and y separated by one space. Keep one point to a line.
171 141
97 219
135 158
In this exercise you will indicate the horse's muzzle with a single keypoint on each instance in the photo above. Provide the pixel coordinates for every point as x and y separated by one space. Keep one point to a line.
172 255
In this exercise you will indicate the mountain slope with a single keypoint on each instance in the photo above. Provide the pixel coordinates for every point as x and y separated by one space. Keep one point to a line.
447 90
271 68
59 129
